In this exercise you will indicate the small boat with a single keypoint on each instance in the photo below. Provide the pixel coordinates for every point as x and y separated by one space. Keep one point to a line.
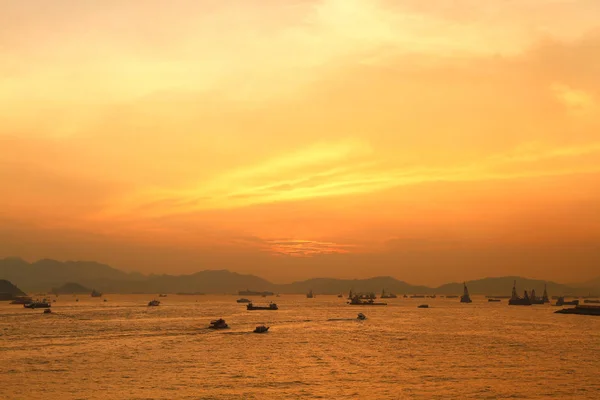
591 301
493 300
105 300
385 295
340 296
465 298
261 329
218 324
47 311
310 295
162 295
423 306
361 316
95 293
243 300
38 304
271 306
154 303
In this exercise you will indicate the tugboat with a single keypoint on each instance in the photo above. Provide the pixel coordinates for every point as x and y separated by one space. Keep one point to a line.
154 303
261 329
310 295
561 302
38 304
356 301
465 298
243 300
385 295
95 293
218 324
515 300
271 306
361 316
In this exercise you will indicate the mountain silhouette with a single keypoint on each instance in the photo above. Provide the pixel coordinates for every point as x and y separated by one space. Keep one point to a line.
45 274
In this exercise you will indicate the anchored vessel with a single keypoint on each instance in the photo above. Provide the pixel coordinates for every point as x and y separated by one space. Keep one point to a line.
95 293
310 294
38 304
271 306
154 303
356 301
561 302
515 300
385 295
465 298
243 300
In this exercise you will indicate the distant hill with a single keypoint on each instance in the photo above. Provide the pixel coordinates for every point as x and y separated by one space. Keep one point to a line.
503 286
42 275
71 288
8 291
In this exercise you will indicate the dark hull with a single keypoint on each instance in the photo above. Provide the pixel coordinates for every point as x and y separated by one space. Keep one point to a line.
368 304
581 310
262 308
37 305
519 302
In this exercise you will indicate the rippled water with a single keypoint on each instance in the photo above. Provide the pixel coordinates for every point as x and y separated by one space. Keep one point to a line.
122 349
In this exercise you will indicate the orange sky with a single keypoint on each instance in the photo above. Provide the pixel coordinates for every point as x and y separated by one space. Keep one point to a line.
430 141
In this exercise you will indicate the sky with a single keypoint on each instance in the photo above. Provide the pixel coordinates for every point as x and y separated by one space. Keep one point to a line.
431 141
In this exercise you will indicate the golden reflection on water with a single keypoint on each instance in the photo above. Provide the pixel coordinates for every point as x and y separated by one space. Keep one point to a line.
122 349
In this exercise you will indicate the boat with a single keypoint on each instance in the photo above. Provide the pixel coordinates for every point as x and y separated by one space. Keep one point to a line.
452 296
95 293
38 304
105 300
494 300
47 311
271 306
261 329
385 295
340 296
465 298
310 295
356 301
243 300
561 302
162 295
361 316
423 306
515 300
545 298
350 295
535 299
22 300
591 301
253 293
218 324
580 310
154 303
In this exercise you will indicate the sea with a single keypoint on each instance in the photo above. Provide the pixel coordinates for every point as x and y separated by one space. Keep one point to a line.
315 349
